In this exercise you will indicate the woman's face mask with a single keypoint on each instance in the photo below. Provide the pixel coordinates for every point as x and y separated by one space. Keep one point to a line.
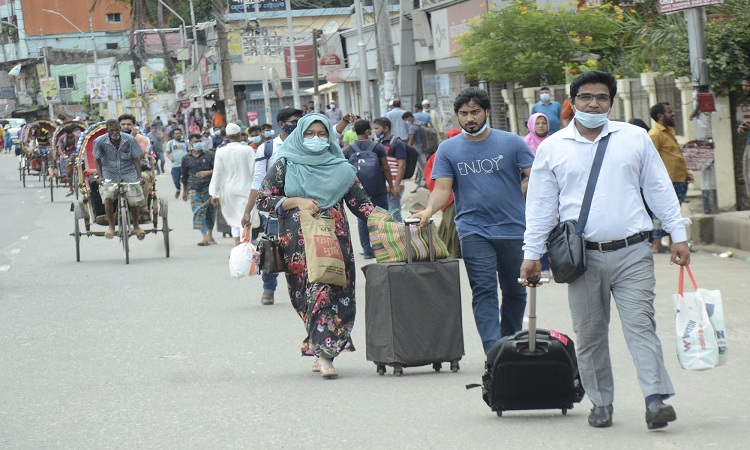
315 144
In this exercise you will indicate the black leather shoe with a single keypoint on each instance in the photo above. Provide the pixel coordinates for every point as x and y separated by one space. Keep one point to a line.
601 416
658 415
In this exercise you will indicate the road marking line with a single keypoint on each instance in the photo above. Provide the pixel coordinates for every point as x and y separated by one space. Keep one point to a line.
4 268
15 251
23 238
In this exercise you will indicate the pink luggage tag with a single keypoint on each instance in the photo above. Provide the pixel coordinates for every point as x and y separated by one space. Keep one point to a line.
559 336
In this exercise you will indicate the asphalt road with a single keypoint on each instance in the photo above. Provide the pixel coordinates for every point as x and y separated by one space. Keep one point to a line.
173 353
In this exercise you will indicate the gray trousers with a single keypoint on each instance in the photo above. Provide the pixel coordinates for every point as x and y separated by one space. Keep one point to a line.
628 275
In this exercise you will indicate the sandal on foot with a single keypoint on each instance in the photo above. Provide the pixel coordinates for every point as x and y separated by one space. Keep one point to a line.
203 243
327 370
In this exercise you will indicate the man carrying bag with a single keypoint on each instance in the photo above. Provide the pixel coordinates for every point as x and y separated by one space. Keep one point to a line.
618 260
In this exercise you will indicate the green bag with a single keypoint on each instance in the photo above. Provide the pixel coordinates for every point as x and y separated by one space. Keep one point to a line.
389 244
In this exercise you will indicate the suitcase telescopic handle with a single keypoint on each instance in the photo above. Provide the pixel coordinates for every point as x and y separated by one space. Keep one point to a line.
534 282
414 221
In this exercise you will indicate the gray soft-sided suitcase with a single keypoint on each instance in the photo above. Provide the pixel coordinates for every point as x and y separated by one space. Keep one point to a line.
413 314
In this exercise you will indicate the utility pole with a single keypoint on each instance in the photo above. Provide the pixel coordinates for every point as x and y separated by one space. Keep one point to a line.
316 93
364 81
263 70
197 63
388 87
697 46
226 68
96 59
47 73
292 57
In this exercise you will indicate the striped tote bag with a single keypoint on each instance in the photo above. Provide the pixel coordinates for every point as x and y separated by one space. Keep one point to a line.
389 244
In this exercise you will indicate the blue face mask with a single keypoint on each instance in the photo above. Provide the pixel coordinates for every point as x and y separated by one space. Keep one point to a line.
315 144
481 130
254 139
591 121
198 147
127 131
268 134
544 97
380 135
289 128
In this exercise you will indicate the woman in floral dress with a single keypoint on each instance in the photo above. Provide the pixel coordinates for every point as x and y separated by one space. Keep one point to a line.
312 174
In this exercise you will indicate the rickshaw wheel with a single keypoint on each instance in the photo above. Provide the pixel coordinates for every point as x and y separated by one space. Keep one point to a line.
77 235
125 230
164 211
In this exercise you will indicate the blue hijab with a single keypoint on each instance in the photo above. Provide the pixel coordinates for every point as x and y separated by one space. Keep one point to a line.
325 176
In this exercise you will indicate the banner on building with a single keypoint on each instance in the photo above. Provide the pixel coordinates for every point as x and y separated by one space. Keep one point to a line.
147 79
252 117
50 90
98 89
241 6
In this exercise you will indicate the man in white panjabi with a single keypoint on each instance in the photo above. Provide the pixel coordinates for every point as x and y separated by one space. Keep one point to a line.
232 178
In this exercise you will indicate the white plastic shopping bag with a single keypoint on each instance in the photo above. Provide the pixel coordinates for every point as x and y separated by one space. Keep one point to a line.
715 310
244 258
697 348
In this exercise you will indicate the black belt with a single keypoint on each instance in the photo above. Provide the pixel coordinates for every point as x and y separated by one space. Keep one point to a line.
608 246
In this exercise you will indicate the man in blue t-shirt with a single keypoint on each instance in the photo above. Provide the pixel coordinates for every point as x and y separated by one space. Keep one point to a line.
396 154
487 171
549 108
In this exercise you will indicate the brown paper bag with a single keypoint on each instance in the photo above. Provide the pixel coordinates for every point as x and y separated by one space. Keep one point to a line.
325 262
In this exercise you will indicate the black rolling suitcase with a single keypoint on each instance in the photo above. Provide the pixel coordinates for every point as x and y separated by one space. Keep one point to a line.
533 369
413 313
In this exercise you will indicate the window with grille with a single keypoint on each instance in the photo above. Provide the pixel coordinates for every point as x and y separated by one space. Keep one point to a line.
67 81
114 18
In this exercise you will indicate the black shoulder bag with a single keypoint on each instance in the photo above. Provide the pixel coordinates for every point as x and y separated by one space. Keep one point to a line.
566 246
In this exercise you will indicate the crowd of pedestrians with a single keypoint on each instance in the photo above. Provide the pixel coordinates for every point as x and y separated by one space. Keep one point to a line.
265 181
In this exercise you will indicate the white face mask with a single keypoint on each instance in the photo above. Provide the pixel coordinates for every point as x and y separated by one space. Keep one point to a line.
315 144
591 121
481 130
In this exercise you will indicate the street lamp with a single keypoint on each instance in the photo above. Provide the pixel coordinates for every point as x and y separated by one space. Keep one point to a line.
93 44
183 37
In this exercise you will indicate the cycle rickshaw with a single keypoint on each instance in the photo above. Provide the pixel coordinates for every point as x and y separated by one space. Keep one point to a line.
90 207
59 163
36 147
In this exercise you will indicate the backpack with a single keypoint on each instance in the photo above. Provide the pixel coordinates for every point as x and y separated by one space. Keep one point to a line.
411 159
430 139
267 152
368 168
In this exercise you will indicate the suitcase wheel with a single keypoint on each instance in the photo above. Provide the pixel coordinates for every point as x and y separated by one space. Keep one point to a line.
499 413
398 370
381 369
565 411
437 366
454 366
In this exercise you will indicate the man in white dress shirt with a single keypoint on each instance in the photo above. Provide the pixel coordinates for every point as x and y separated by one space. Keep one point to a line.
619 260
232 178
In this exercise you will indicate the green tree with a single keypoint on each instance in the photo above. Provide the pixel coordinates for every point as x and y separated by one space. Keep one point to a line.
728 44
533 46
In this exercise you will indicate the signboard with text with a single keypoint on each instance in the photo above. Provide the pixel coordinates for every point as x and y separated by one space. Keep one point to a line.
240 6
50 91
670 6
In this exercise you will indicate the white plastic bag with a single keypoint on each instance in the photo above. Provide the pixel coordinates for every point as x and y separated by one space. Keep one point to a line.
697 348
715 310
243 260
